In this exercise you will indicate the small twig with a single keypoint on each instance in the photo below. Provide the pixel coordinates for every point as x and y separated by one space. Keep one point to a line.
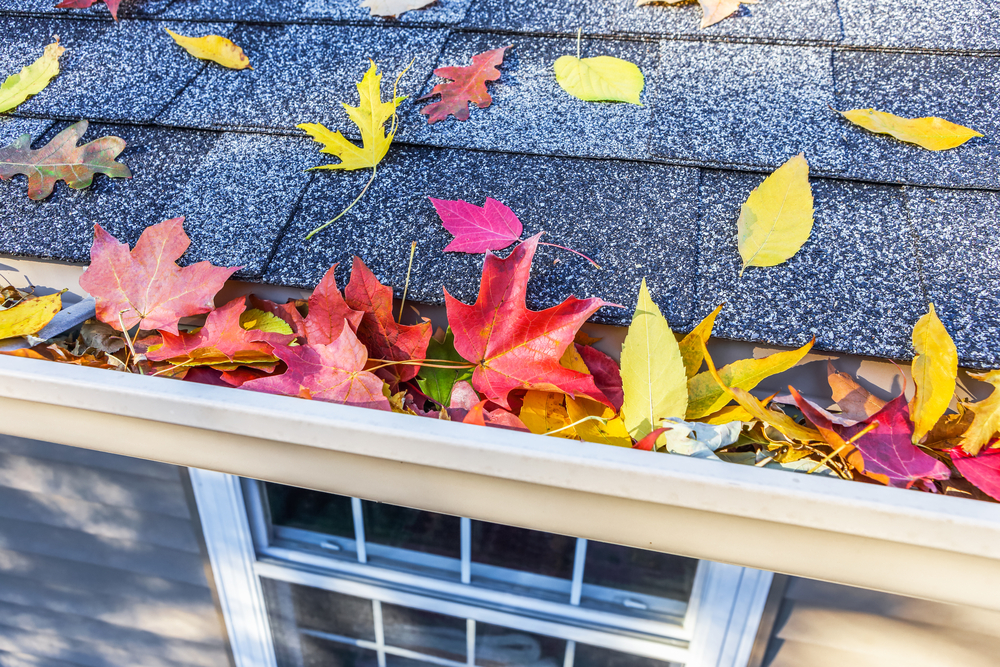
128 341
406 286
588 418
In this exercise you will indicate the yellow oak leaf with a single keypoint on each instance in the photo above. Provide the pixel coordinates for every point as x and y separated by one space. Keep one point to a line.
931 132
777 217
610 431
393 7
544 412
653 377
935 369
370 117
216 48
986 422
600 79
691 345
32 79
705 396
29 317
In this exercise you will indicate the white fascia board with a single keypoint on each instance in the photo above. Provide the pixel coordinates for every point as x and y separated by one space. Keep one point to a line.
899 541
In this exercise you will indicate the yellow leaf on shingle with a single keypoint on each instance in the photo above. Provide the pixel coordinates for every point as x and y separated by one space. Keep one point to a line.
931 132
216 48
32 79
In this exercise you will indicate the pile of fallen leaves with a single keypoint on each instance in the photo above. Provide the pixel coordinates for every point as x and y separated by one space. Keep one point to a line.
500 364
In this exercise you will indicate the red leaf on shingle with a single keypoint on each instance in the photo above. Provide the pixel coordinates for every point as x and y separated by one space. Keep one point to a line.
468 84
477 229
513 347
145 286
379 331
333 373
83 4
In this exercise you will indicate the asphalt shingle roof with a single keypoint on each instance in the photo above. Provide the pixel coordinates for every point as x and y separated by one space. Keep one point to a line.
651 190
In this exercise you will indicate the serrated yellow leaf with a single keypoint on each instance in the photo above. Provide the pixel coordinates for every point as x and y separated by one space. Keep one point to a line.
935 369
691 346
610 432
32 79
705 396
370 117
216 48
261 320
777 217
653 377
986 422
544 411
931 132
29 317
600 79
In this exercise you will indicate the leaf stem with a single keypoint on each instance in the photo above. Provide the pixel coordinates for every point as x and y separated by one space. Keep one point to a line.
344 212
588 418
579 32
572 251
128 341
406 286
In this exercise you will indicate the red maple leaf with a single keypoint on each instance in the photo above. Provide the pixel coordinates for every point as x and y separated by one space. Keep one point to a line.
384 338
146 287
221 340
328 311
607 374
333 373
513 347
83 4
468 84
982 470
477 229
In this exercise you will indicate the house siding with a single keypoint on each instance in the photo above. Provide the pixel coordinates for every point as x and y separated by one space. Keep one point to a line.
101 563
820 624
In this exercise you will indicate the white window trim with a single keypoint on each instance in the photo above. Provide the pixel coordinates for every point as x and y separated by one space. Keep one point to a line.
722 619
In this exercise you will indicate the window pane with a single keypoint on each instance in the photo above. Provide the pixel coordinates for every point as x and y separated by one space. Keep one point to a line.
424 632
411 529
322 653
314 609
639 571
502 647
522 549
593 656
310 510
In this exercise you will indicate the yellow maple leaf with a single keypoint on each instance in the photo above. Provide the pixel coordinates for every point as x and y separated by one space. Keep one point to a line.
931 132
370 117
544 412
986 422
608 430
935 369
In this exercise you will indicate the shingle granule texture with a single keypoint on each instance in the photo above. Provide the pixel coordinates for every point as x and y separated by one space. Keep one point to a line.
531 113
959 246
602 209
97 81
648 191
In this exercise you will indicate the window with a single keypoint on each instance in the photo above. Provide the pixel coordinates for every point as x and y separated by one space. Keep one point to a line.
339 581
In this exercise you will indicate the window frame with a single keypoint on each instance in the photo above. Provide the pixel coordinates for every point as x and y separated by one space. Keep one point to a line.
718 629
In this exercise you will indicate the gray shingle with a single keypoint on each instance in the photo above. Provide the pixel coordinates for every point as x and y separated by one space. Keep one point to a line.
854 284
961 89
530 112
960 254
634 219
302 74
963 25
125 71
745 105
279 11
98 11
233 215
12 127
785 20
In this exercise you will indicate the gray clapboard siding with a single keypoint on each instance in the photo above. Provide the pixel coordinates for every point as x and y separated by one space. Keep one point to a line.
86 457
101 563
91 484
827 625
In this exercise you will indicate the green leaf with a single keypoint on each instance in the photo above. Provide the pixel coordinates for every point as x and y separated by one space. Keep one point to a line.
653 376
705 396
32 79
437 383
777 217
600 79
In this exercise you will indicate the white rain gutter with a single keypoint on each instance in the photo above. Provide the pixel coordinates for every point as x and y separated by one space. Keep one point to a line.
916 544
